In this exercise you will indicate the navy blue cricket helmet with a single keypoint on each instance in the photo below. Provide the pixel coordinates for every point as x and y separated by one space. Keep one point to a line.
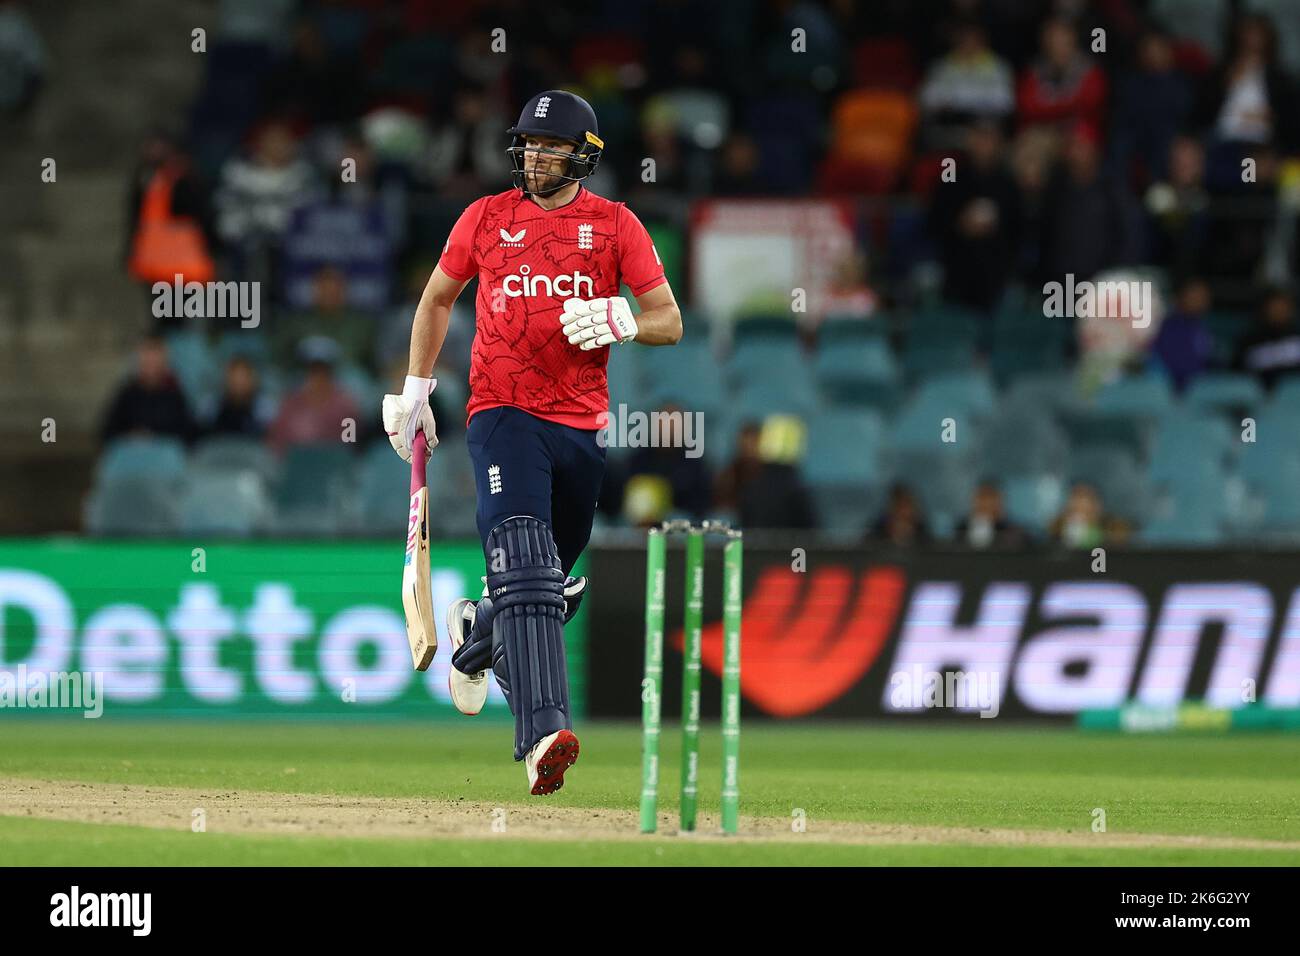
562 115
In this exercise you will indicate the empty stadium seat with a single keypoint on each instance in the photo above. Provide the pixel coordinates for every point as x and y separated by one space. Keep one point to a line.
384 489
685 374
843 448
1117 476
315 489
761 358
1023 441
142 456
227 453
1185 440
970 392
134 504
229 503
858 373
1033 501
775 395
1219 392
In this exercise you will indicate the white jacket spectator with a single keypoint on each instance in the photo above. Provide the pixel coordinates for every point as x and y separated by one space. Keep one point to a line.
970 83
258 195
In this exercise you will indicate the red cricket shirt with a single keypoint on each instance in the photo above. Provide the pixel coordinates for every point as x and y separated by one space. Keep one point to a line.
528 261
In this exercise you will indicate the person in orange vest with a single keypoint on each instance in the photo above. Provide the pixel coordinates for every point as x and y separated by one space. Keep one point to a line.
170 228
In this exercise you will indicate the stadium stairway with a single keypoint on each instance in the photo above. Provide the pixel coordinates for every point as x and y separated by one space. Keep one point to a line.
68 314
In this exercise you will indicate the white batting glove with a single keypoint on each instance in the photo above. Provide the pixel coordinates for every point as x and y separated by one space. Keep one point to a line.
595 323
408 413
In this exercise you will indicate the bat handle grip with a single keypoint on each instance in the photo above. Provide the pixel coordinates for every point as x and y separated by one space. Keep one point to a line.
419 458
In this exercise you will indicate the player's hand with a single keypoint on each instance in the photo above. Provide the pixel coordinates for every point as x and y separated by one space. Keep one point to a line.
408 413
595 323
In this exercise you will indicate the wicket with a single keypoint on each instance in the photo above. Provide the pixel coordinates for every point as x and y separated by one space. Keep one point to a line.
651 683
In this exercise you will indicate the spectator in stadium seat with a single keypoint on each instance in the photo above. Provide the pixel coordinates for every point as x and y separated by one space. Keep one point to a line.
353 332
687 476
777 497
312 83
987 526
466 154
1183 346
977 221
744 468
1083 522
1089 221
318 411
150 402
1177 211
242 409
1248 102
970 83
738 168
1152 104
1062 88
170 228
902 524
256 197
1273 348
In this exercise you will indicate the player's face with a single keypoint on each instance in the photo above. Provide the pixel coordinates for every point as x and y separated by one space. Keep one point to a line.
541 166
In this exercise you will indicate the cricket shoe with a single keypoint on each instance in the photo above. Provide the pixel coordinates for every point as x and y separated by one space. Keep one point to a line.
468 691
548 760
574 589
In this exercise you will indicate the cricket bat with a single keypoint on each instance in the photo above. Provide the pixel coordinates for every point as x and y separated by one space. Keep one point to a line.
417 599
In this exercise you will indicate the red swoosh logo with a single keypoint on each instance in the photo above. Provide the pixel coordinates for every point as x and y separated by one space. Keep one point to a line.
805 641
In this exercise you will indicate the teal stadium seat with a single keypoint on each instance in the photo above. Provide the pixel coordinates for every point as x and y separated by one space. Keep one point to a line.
1033 501
384 488
1223 393
451 496
233 453
968 393
225 503
315 489
195 364
134 505
777 396
1025 341
762 358
140 456
844 448
858 372
686 374
1121 412
1023 440
1117 476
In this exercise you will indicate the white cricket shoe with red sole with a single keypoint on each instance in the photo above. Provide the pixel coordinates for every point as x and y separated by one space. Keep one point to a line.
548 760
468 691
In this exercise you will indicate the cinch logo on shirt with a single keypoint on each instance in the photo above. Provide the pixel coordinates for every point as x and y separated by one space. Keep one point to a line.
524 284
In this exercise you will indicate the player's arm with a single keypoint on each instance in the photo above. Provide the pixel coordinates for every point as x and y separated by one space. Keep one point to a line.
432 316
409 412
660 321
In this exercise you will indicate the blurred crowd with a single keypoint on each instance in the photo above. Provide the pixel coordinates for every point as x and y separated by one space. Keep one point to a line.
333 143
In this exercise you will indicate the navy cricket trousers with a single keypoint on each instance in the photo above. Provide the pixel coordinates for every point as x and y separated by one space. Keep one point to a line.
524 465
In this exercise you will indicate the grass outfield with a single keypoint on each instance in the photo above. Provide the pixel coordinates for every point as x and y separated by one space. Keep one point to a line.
980 778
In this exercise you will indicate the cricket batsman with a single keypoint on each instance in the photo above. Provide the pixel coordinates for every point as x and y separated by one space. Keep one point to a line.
550 257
